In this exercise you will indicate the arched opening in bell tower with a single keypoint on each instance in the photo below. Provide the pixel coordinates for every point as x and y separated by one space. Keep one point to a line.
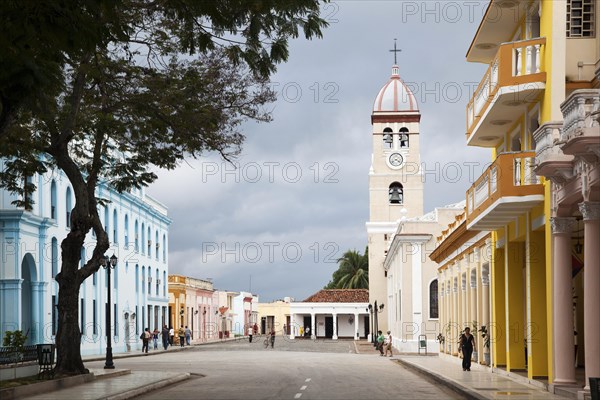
396 193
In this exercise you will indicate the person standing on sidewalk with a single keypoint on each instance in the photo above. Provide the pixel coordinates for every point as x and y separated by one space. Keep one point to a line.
181 334
155 338
380 340
171 335
165 337
250 332
388 343
467 343
272 337
145 336
188 335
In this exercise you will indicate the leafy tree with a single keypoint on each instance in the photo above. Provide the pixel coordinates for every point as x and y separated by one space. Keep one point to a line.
163 80
353 271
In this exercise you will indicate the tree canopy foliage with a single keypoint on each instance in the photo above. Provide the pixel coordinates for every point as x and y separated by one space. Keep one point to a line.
106 89
352 273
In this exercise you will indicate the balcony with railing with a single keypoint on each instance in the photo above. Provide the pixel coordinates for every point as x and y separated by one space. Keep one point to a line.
515 77
550 161
506 189
581 130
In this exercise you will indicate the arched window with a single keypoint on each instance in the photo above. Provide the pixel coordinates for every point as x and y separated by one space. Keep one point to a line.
68 207
143 246
157 244
137 236
403 138
149 243
143 279
137 278
433 299
164 282
396 193
54 255
53 199
157 281
106 220
388 138
164 248
126 231
115 226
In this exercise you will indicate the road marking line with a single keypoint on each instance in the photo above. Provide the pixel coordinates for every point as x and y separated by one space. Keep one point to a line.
297 396
307 380
303 387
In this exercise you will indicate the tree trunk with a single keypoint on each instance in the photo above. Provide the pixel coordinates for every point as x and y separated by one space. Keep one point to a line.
68 337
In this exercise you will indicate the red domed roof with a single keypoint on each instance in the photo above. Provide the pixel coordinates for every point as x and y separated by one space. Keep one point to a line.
395 96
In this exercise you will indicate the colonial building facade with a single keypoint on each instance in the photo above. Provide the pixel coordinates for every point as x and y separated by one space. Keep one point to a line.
536 108
138 229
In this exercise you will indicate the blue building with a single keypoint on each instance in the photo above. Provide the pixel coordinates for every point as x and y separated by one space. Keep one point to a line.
138 229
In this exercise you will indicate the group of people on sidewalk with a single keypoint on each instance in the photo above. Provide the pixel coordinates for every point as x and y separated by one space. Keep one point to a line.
384 343
168 337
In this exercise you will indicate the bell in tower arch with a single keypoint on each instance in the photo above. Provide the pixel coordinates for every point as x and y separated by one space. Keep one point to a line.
395 193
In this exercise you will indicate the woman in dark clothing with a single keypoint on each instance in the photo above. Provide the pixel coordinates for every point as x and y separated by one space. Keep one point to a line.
467 343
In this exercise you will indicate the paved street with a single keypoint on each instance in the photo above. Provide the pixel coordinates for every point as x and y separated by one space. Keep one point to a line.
300 369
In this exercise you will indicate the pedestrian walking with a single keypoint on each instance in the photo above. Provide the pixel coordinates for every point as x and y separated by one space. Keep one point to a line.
250 332
388 343
165 337
380 340
171 335
255 328
272 338
466 345
188 335
155 338
181 334
145 336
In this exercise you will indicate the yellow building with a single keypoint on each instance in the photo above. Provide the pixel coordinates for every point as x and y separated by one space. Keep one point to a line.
539 53
275 315
464 280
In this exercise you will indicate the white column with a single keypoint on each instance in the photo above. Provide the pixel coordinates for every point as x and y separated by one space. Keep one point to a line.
591 288
293 326
334 336
312 326
356 327
417 298
564 356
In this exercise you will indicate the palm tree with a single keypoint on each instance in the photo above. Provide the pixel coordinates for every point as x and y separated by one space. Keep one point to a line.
353 272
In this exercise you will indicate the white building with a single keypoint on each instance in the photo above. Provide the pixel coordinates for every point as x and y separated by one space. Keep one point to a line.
138 229
332 314
245 312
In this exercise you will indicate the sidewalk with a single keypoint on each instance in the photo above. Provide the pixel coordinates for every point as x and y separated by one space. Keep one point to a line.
119 384
120 387
478 384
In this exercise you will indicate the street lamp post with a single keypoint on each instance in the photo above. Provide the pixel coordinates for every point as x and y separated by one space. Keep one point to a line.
108 264
371 322
376 311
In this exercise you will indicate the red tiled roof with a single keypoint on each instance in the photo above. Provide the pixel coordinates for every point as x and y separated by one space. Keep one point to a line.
339 296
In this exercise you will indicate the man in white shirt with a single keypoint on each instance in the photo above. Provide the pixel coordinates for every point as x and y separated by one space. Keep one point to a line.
250 332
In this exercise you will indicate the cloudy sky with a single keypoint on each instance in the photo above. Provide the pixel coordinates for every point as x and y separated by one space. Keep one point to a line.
299 197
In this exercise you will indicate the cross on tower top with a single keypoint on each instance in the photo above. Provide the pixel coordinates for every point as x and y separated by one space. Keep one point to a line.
395 51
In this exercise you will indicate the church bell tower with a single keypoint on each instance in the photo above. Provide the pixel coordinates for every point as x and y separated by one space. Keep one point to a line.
395 181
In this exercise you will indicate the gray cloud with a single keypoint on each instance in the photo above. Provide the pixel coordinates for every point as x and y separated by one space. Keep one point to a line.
322 128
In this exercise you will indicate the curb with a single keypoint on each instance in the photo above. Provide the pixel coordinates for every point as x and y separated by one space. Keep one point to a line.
450 383
102 357
45 386
149 388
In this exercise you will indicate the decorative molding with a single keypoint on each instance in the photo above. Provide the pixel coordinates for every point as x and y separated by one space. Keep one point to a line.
562 225
590 210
